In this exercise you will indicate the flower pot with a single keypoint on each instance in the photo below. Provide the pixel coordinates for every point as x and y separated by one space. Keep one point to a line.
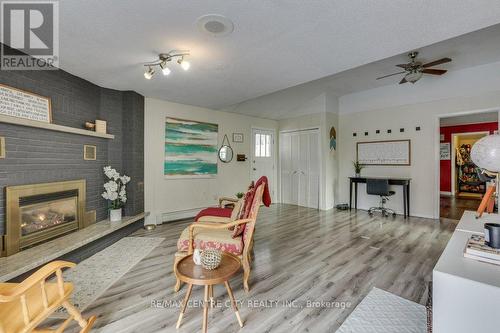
115 215
358 174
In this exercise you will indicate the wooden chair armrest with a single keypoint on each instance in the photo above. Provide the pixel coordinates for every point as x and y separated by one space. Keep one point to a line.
216 225
213 226
214 219
230 200
41 274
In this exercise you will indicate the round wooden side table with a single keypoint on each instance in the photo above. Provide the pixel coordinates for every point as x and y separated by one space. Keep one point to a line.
192 274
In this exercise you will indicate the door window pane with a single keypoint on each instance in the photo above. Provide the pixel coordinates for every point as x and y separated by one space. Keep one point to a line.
268 146
262 145
257 145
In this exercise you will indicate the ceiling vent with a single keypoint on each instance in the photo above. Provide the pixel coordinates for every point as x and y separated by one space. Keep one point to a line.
215 25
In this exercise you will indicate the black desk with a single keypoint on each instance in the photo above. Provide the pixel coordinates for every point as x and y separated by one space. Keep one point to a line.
405 182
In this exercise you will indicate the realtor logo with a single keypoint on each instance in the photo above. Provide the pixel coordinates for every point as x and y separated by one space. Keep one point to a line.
30 35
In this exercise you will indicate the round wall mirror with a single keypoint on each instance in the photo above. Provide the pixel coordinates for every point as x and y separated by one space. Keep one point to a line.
226 154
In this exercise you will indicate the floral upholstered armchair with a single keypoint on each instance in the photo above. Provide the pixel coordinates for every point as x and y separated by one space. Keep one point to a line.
235 237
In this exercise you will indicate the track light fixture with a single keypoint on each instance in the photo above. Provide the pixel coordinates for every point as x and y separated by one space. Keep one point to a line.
163 59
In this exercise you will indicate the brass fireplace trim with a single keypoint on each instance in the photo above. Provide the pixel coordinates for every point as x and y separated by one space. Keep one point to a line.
12 238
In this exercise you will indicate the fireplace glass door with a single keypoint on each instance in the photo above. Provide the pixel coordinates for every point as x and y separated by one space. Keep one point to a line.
42 216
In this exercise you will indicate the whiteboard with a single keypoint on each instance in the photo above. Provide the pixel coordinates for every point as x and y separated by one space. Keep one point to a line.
394 152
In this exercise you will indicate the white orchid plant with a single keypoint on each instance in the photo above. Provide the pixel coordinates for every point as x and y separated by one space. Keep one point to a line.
115 188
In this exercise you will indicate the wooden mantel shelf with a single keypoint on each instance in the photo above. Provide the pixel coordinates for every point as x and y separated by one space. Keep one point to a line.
24 261
52 127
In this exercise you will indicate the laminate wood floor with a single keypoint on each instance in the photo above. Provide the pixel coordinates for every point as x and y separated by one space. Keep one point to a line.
454 207
301 255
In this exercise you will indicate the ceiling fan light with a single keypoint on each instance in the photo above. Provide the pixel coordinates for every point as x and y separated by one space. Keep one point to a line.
149 73
413 76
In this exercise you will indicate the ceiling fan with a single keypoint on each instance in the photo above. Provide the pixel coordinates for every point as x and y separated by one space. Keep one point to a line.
415 69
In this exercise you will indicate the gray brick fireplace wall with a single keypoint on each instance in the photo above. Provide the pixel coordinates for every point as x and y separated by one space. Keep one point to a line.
38 155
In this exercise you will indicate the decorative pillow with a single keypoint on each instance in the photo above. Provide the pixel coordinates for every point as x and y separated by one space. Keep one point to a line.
235 215
247 203
245 211
237 210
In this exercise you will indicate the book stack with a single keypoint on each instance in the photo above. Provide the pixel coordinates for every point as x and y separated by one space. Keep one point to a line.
478 250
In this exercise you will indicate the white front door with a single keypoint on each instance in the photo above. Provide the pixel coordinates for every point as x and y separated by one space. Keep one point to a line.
262 161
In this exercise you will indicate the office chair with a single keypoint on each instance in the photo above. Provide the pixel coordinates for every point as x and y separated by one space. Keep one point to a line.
380 187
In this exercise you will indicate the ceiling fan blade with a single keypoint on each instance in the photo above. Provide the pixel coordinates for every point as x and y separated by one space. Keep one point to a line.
390 75
403 65
437 62
434 71
403 81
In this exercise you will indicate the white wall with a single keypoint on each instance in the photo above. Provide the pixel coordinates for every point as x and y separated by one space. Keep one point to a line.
331 160
304 107
424 166
175 198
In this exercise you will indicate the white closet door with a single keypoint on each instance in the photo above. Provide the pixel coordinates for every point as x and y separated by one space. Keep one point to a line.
303 169
313 170
300 160
295 163
286 168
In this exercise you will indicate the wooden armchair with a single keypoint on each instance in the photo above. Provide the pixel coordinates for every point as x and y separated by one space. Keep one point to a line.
227 211
207 234
24 306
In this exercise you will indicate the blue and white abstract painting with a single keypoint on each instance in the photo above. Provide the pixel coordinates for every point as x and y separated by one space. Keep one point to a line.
190 148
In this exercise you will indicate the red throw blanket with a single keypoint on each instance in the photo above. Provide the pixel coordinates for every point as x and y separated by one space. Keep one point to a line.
226 212
214 211
266 196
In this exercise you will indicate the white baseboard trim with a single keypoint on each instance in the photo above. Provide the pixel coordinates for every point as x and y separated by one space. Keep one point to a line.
180 215
447 193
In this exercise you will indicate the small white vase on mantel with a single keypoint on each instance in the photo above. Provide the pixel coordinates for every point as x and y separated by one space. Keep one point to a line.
115 215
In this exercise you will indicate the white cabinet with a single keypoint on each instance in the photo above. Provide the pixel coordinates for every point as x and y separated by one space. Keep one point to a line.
466 292
300 168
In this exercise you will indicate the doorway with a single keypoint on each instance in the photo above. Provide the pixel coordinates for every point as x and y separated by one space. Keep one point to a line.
263 157
300 168
461 187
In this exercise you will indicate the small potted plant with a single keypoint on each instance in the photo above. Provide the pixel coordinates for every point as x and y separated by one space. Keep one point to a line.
357 168
240 195
115 192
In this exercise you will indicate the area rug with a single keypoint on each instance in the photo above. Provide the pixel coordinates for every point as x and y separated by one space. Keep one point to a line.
383 312
93 276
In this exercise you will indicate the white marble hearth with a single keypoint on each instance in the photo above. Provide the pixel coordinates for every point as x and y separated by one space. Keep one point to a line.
24 261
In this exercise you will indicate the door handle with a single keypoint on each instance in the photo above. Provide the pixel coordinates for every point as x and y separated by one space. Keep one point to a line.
254 169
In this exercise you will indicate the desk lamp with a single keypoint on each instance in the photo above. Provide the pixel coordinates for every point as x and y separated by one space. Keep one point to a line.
485 153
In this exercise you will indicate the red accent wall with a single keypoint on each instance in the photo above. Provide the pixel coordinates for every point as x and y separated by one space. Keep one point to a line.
445 181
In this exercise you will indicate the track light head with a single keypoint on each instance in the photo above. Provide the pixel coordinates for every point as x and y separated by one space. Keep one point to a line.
184 63
149 73
164 69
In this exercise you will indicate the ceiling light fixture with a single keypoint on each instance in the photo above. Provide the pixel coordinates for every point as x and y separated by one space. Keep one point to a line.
414 76
163 59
